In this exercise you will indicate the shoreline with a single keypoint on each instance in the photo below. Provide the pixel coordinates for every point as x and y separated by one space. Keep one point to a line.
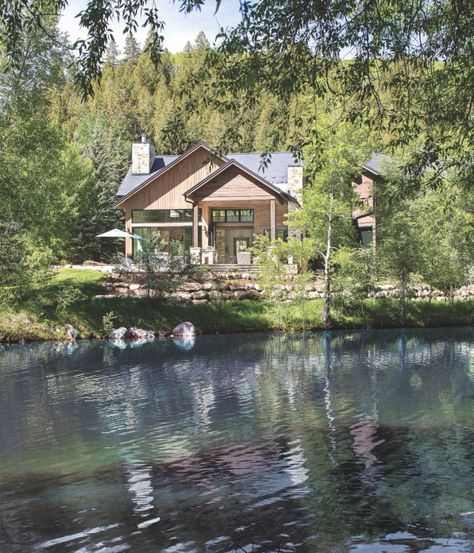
49 334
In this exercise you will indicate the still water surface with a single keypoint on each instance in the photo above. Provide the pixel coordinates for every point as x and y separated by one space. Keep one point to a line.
329 442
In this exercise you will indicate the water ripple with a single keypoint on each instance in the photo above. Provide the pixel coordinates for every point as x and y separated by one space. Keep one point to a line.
331 442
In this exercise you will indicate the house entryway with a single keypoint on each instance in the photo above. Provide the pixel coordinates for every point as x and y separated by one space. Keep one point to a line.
229 241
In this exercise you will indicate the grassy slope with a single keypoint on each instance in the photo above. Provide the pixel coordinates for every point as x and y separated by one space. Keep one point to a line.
38 317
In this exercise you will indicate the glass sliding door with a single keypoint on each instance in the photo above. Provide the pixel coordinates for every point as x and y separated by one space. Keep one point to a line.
229 241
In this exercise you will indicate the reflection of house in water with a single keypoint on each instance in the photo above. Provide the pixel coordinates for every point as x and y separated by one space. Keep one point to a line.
258 444
365 440
261 478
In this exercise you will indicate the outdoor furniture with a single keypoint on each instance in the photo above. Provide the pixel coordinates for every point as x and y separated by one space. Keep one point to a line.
195 255
117 233
208 255
126 264
244 258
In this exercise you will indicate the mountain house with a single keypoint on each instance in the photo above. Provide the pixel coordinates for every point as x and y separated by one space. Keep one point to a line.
214 204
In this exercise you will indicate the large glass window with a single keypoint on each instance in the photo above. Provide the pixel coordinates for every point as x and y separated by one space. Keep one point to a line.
163 215
246 215
232 215
218 215
184 235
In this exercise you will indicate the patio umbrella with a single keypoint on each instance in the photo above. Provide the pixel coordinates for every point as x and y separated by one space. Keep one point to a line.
117 233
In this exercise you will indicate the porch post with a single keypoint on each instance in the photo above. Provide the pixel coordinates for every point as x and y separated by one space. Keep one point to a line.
195 225
128 228
205 226
272 220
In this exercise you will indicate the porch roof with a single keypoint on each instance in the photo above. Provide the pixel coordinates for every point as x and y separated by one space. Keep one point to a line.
272 189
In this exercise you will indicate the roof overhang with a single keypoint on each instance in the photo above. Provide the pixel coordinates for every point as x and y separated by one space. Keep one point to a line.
371 171
168 167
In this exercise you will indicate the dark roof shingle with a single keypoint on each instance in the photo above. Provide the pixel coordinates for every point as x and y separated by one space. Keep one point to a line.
131 181
275 172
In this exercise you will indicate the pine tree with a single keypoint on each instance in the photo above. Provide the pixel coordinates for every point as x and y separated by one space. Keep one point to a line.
108 155
201 43
175 135
131 49
112 54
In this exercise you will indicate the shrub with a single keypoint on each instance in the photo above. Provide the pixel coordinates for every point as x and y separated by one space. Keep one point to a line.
160 267
108 322
65 297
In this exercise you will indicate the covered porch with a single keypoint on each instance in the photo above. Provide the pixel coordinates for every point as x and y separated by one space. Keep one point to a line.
218 218
227 229
236 204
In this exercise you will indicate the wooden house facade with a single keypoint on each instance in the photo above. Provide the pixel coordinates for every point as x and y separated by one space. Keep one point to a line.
212 204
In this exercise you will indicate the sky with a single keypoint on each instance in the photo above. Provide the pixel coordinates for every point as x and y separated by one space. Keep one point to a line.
179 27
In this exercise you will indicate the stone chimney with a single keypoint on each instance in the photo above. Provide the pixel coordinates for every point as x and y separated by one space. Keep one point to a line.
143 156
295 182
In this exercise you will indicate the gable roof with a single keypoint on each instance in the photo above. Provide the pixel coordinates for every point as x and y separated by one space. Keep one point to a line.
132 181
234 163
163 163
275 173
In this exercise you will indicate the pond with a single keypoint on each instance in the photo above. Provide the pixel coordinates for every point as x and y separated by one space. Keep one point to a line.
343 441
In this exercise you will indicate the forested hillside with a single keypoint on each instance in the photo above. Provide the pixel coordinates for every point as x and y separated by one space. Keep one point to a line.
135 96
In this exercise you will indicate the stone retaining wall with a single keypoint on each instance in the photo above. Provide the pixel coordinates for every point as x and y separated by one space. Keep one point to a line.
236 286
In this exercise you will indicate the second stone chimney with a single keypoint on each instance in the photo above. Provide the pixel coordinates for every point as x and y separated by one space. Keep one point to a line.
295 182
143 156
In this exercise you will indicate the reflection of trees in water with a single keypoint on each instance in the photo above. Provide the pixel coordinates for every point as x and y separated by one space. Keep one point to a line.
330 434
388 455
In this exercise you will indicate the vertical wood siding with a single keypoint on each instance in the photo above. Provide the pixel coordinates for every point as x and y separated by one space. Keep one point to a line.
232 183
166 191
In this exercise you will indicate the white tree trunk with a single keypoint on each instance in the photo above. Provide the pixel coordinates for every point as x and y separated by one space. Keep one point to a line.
403 298
326 316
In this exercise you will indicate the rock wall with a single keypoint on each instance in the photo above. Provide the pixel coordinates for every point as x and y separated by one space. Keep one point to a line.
423 292
244 286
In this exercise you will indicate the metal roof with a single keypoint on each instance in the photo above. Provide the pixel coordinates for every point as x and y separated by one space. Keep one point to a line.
275 172
376 163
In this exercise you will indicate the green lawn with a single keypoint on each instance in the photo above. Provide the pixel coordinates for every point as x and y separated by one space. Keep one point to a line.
69 298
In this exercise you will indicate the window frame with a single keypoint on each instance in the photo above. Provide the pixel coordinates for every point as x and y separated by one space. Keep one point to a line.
370 232
184 216
268 232
226 219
